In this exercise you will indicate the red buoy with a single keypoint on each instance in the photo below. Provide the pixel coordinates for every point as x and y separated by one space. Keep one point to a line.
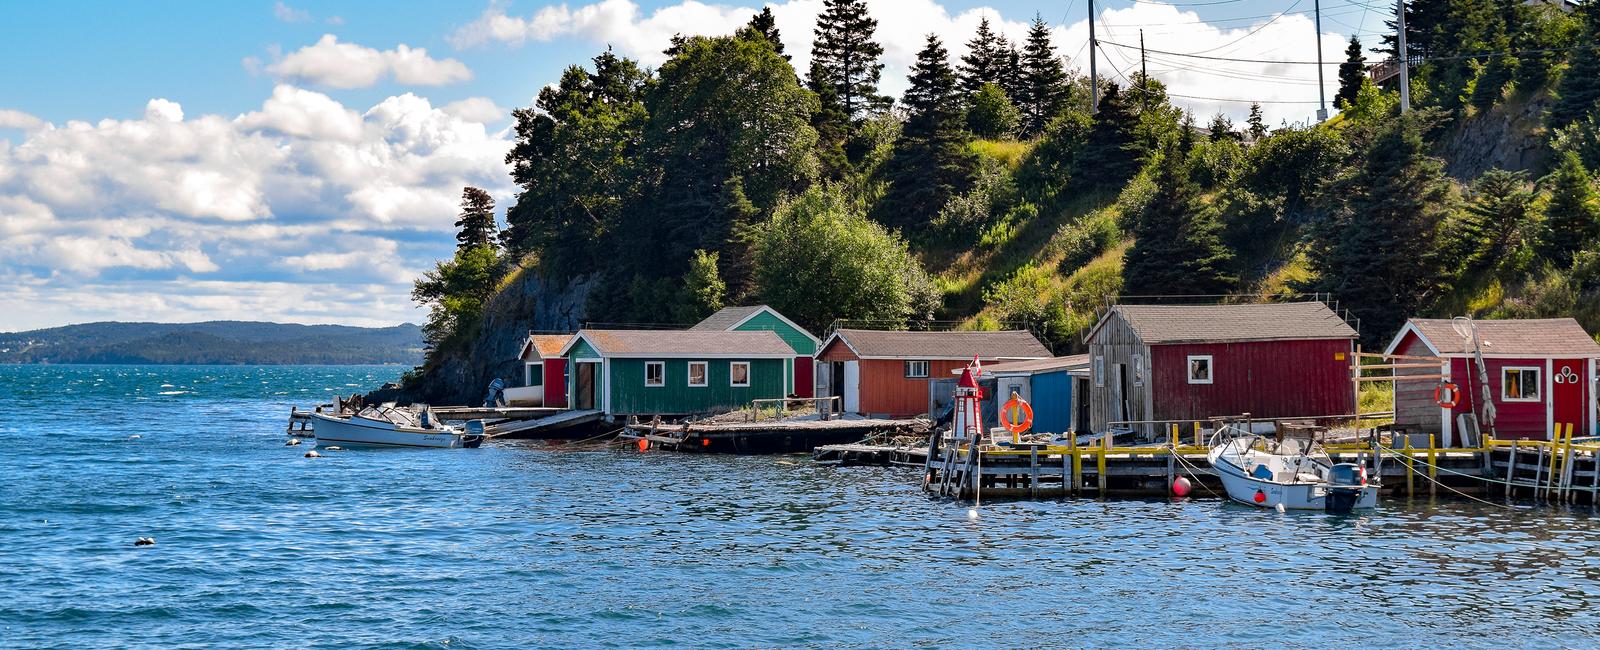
1261 497
644 445
1180 487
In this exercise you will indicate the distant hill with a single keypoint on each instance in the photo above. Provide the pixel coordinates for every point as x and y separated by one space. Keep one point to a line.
214 342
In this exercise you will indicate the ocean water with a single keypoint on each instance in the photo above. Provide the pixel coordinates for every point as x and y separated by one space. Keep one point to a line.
528 544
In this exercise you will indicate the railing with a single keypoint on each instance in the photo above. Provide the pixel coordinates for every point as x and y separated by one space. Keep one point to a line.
827 408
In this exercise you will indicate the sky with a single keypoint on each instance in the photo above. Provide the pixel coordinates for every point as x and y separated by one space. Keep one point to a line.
302 162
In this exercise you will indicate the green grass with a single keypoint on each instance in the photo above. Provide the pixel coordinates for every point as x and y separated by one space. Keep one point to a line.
1008 152
1373 397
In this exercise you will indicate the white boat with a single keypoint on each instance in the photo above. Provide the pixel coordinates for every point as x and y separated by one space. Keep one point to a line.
389 426
1294 473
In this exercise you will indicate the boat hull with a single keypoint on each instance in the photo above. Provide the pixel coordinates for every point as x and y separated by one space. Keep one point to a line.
360 432
1243 488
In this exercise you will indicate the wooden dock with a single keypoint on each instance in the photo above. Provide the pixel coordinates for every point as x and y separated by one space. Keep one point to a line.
467 413
862 454
561 423
769 437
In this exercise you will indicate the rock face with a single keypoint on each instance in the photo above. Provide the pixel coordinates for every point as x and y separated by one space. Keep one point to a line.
528 302
1509 136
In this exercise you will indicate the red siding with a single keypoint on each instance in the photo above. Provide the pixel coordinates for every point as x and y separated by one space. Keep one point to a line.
555 382
804 380
886 390
836 351
1266 379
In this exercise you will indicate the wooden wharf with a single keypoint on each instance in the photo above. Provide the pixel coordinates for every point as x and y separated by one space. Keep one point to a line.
764 437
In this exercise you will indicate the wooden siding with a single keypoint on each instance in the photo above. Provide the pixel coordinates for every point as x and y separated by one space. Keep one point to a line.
1414 408
1417 412
764 320
1267 379
1116 343
630 396
837 351
885 389
1052 402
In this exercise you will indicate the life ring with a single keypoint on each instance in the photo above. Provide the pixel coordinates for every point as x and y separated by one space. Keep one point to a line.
1447 395
1016 415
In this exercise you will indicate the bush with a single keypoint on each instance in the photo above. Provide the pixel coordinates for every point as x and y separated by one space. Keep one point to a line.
1079 242
992 193
992 114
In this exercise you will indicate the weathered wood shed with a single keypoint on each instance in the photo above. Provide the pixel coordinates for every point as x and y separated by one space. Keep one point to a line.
887 372
675 372
754 318
1541 373
1157 363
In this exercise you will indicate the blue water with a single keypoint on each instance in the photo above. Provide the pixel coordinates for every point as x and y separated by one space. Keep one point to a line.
526 544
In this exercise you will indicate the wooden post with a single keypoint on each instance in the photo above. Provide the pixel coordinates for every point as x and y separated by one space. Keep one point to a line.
1172 453
1511 466
1077 465
1101 464
1550 480
1033 468
1538 474
1433 467
1411 488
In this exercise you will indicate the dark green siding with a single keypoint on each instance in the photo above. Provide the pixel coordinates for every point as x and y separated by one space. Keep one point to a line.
629 395
803 346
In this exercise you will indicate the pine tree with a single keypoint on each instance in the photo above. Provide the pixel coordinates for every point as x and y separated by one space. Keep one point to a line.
1011 78
1177 247
1045 91
1496 227
765 24
1258 125
1579 92
986 59
848 58
1500 69
1572 216
1351 73
476 226
1112 154
930 163
1221 128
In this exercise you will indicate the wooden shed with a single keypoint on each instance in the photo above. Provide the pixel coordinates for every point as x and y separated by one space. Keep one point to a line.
544 373
887 372
1541 373
754 318
1056 388
1150 364
675 372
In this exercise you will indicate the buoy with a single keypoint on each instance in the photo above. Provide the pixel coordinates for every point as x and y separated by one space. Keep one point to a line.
135 437
705 442
292 442
1282 509
145 541
644 445
334 448
972 513
313 454
1261 497
1180 487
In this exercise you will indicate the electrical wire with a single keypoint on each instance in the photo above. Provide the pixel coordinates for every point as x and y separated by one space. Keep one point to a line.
1253 32
1414 60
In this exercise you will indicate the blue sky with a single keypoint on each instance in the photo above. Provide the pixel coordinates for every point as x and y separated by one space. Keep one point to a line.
300 161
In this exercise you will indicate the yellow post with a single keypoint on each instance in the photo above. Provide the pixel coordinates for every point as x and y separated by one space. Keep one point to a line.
1433 467
1555 446
1077 465
1411 488
1100 465
1197 441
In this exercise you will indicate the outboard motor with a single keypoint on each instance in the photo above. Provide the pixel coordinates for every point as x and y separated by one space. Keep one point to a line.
496 397
1345 484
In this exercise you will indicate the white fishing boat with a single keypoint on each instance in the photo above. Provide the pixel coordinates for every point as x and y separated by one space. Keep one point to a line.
390 426
1293 473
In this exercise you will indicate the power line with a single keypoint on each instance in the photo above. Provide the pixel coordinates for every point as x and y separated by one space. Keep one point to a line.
1414 60
1146 91
1253 32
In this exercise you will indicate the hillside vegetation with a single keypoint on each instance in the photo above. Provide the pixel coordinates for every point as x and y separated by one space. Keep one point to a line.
214 342
991 194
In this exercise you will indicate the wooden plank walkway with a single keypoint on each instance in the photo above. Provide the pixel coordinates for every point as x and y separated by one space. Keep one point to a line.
770 437
564 421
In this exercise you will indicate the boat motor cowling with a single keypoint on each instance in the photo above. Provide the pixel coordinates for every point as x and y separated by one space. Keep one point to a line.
1348 474
1345 483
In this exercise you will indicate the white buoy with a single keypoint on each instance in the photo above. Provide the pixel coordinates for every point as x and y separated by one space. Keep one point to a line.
972 513
1282 509
135 437
334 448
313 454
145 541
292 442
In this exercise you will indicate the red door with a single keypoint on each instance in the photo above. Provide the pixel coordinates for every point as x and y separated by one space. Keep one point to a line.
1568 395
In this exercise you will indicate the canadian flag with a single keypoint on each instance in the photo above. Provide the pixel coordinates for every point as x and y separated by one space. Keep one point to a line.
977 367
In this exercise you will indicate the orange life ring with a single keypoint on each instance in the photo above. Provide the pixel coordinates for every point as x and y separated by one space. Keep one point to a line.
1447 395
1016 415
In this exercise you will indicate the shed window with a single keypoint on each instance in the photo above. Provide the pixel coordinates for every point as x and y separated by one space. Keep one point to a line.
1100 371
1138 370
916 369
655 373
535 374
1200 369
739 373
697 373
1519 384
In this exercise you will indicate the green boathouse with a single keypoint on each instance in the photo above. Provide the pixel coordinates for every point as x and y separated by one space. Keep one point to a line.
676 372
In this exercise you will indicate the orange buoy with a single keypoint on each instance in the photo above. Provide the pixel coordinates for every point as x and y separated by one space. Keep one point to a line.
705 442
1180 487
644 445
1447 395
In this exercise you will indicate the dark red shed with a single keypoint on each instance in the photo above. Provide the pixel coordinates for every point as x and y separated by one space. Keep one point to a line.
1155 363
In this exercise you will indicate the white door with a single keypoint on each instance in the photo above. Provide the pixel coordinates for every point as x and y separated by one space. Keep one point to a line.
1008 385
852 386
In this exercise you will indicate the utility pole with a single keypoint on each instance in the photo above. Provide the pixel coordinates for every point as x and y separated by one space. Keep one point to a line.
1404 57
1094 77
1322 91
1144 74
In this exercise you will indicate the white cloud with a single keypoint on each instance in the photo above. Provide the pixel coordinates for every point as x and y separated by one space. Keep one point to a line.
348 65
303 113
476 109
15 119
289 14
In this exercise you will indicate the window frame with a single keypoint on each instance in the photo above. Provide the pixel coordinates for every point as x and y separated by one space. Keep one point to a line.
662 381
927 369
1099 372
732 383
536 374
1138 371
1211 369
705 374
1538 384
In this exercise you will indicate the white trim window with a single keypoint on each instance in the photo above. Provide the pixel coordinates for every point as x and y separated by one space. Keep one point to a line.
917 369
655 374
1200 369
739 374
1520 383
697 373
1100 372
1138 370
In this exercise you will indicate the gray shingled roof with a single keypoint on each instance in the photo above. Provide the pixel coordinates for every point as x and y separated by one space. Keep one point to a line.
1545 337
1015 344
687 343
725 318
1157 324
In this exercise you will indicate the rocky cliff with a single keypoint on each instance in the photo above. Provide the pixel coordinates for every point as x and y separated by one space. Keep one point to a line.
1509 136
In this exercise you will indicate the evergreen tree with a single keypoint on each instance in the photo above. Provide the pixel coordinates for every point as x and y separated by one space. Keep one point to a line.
1045 88
1012 79
1177 247
991 114
931 162
476 225
1572 216
847 59
703 289
1351 73
1112 154
1258 125
1221 128
831 124
1496 227
1381 254
1501 68
1186 133
1423 18
765 24
987 56
1579 92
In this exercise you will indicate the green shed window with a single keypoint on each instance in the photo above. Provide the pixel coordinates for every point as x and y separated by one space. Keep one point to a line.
655 373
738 373
697 373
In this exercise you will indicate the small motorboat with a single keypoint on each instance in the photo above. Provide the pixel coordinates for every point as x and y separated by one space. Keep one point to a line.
391 426
1294 473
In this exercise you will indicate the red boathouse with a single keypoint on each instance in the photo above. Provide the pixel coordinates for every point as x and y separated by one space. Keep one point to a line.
1155 363
1541 373
887 373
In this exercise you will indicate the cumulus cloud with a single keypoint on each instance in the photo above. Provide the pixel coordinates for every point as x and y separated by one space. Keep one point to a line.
14 119
289 14
329 62
1287 91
